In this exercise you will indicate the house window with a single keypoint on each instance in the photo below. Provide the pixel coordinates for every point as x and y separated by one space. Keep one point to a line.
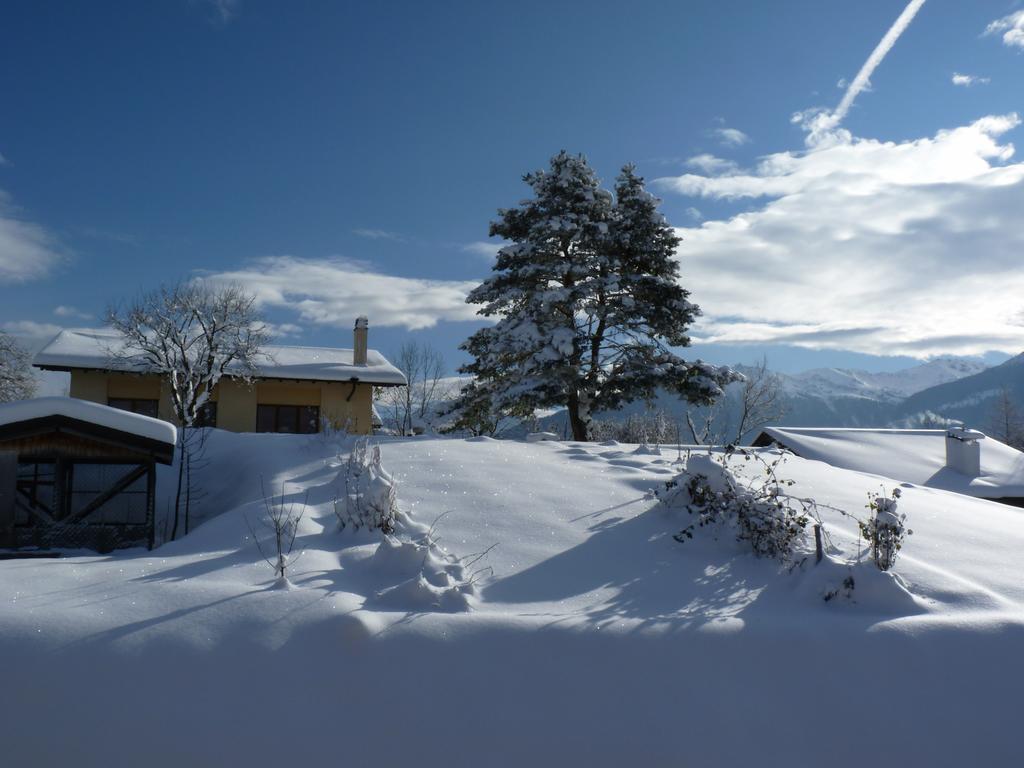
142 406
295 419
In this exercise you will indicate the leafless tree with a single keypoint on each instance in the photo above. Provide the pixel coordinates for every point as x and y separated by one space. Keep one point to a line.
701 434
282 520
758 401
654 426
1006 422
415 403
190 334
16 379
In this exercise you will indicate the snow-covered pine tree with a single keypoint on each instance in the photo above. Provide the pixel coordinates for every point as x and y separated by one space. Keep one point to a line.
588 301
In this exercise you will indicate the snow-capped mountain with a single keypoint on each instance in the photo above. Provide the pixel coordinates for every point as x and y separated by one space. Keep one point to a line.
890 387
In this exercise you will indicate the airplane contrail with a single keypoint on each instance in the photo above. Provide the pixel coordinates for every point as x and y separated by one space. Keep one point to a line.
863 78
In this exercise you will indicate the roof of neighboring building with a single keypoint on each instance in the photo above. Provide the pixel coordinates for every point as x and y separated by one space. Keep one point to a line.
915 456
91 413
96 348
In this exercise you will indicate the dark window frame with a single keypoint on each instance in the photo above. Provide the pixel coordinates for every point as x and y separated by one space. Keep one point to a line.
61 482
278 418
144 406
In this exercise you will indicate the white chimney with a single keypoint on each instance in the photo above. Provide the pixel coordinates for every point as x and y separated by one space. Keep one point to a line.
963 450
359 336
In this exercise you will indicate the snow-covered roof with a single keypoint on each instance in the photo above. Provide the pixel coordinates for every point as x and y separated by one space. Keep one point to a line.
915 456
92 413
96 347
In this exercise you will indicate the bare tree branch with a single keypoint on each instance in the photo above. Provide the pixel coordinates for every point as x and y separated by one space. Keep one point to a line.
16 379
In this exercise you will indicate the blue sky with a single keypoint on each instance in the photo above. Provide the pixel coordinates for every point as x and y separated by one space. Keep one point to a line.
344 157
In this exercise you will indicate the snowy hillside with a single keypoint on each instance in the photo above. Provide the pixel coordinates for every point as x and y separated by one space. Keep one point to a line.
972 398
595 638
830 383
821 397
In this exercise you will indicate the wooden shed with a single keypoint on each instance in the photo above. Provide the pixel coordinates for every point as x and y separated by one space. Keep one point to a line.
78 475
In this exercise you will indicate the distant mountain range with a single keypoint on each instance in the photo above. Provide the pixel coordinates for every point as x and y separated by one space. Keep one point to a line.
971 399
832 383
945 388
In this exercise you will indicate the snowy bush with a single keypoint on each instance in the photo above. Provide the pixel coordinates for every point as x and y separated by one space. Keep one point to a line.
756 511
370 494
885 530
418 573
428 578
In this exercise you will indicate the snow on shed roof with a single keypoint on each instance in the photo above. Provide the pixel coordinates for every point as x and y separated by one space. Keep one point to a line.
915 456
95 347
92 413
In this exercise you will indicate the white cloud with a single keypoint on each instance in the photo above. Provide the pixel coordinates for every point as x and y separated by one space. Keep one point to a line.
33 334
483 248
1011 27
968 80
861 165
223 10
278 331
730 137
27 250
379 234
334 292
65 311
694 213
821 123
711 164
877 247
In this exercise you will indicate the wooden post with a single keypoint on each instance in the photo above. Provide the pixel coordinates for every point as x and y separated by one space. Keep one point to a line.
151 504
818 554
8 490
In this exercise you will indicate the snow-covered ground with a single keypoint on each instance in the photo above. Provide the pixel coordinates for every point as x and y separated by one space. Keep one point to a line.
598 640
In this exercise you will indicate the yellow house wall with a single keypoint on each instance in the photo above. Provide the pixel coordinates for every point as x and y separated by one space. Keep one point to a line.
236 406
89 385
100 387
287 393
353 415
125 385
237 401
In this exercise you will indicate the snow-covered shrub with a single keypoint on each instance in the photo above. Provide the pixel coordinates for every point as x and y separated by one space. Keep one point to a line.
757 511
370 493
886 529
334 430
413 571
426 577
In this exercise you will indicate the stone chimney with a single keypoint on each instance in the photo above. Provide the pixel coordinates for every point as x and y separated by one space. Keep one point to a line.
359 340
963 450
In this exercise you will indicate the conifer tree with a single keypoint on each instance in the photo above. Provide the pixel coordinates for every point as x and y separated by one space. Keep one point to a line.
588 301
